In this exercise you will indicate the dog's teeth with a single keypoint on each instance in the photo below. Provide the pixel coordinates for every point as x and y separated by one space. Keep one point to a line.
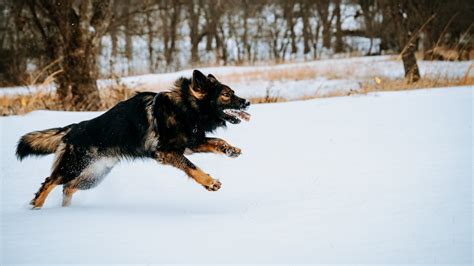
238 114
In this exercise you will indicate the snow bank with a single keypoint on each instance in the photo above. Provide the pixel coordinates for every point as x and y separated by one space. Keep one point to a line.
329 75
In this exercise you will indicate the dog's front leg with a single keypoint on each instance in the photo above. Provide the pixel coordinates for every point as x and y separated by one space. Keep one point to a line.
217 145
181 162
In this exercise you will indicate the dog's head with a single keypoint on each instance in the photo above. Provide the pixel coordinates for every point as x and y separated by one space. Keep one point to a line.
219 97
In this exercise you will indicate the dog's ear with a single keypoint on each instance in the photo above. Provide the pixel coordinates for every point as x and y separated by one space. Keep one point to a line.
199 84
211 78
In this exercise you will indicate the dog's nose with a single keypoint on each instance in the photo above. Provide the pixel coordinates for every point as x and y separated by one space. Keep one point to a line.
247 103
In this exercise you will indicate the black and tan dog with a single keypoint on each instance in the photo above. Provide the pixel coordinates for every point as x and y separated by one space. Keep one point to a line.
162 126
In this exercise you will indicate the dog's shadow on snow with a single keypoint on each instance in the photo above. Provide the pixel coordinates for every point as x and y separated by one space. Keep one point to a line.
175 209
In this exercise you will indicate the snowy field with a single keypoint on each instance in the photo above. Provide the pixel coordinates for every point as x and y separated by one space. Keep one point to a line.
293 80
382 178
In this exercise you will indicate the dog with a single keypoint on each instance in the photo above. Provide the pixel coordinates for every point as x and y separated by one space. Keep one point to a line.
162 126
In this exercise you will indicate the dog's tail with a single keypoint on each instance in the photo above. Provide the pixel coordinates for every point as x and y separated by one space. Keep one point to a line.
40 142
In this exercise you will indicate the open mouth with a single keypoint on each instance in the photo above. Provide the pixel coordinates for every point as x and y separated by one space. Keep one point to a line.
235 116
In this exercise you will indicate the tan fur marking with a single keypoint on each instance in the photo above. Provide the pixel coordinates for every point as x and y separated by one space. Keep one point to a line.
197 94
199 176
171 121
206 147
48 185
58 155
151 137
219 146
179 161
212 145
47 140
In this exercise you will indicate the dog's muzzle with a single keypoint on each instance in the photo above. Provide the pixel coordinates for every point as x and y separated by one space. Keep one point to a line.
234 116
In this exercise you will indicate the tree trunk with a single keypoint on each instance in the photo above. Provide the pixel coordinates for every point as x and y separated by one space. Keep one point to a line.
193 21
368 7
339 45
223 38
325 20
211 26
405 41
78 29
170 15
304 7
149 24
113 53
316 40
245 35
290 23
326 36
128 39
412 73
78 83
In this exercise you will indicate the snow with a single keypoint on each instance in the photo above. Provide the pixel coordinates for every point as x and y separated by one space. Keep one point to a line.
343 74
382 178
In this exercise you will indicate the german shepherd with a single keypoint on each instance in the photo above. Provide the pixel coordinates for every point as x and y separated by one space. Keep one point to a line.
162 126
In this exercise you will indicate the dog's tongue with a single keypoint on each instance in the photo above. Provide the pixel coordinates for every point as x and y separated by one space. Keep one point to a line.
238 113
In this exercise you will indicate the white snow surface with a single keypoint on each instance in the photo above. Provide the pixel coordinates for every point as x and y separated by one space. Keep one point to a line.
382 178
341 74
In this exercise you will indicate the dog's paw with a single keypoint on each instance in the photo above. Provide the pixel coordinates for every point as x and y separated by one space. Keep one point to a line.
232 152
214 185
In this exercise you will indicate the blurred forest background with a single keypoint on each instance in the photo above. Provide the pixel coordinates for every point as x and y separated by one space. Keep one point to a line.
77 42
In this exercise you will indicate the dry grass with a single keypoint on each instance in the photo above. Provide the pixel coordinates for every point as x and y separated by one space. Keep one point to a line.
290 73
400 84
21 104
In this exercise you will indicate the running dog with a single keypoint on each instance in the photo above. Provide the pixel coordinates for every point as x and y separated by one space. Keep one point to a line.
162 126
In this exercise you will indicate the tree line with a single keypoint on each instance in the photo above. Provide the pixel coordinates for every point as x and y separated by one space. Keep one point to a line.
69 39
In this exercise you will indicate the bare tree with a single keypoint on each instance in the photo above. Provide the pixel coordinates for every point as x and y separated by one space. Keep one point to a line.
369 11
325 17
339 45
407 42
195 33
150 35
305 8
170 14
288 7
72 32
13 54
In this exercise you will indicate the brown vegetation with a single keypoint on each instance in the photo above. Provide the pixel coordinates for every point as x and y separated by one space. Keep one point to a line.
21 104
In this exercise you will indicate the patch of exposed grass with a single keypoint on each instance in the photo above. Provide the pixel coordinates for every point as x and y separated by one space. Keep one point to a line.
21 104
400 84
290 73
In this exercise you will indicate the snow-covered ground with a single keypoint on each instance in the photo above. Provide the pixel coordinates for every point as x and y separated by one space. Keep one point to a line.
382 178
294 80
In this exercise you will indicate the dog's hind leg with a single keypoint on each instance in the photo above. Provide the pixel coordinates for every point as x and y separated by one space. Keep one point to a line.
179 161
52 181
49 184
67 195
93 172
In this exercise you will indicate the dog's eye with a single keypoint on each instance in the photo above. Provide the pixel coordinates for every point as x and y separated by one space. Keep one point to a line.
227 95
